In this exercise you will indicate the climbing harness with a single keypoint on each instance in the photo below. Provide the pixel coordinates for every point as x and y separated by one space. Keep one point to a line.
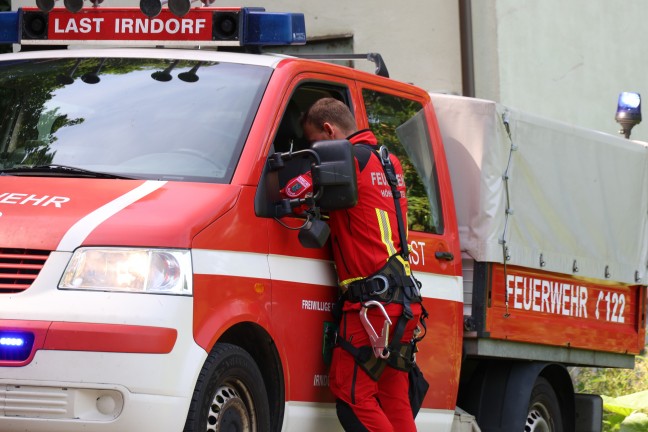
393 283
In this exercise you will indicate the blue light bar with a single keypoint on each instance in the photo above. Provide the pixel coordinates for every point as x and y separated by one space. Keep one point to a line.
271 28
9 27
12 341
15 345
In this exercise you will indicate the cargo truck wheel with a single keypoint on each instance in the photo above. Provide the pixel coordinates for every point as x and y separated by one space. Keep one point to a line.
230 395
544 411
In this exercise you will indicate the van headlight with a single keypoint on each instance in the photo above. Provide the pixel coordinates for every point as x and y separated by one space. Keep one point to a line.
155 271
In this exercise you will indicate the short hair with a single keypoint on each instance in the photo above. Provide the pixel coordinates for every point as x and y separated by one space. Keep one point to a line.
330 110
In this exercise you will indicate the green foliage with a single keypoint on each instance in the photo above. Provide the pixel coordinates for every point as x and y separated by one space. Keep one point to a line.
625 407
613 382
27 121
626 413
612 421
387 114
635 422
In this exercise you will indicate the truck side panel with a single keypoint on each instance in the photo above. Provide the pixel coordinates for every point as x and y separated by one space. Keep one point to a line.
515 304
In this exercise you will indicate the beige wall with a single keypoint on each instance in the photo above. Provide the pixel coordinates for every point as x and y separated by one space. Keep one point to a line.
567 60
418 39
561 59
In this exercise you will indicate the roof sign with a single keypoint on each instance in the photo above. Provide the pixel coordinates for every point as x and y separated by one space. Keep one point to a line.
128 26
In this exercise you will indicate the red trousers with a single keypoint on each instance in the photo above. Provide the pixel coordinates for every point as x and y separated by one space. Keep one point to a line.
374 406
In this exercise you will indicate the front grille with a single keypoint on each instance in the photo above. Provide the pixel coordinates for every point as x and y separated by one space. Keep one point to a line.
35 402
19 268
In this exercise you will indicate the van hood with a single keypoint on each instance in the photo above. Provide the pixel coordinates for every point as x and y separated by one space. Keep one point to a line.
50 213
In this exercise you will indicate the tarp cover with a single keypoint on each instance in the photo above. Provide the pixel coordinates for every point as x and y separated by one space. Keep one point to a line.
575 202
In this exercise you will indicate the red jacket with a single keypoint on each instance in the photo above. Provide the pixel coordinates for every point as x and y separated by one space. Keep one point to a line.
365 236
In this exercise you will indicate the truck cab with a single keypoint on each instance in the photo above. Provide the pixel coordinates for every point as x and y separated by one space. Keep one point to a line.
148 277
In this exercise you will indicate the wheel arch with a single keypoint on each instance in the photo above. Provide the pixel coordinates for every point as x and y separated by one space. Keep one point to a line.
559 378
259 344
498 393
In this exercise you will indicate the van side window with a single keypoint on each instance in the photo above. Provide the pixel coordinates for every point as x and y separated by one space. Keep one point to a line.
399 124
290 134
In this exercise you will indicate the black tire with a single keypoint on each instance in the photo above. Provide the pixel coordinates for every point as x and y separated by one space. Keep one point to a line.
230 395
544 410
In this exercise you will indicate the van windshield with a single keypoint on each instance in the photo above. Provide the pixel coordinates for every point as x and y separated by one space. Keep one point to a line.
134 118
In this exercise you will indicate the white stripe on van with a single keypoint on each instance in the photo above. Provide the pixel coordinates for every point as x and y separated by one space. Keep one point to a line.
75 236
305 271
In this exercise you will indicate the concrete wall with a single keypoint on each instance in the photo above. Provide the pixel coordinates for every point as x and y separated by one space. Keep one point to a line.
567 60
418 39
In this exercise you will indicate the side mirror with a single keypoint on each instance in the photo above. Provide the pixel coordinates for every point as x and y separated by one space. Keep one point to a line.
334 177
332 167
335 186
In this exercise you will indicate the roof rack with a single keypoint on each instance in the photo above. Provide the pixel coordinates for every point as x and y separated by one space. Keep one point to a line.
381 68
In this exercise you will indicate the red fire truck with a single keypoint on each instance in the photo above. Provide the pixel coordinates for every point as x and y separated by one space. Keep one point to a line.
153 279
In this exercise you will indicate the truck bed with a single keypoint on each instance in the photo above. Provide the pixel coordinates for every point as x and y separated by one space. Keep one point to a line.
553 228
544 194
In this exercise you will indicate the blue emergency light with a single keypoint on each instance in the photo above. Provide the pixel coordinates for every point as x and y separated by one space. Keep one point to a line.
9 27
15 346
12 341
127 26
628 112
263 28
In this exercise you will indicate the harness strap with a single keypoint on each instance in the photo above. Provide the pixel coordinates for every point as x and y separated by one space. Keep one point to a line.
392 283
390 173
393 294
402 354
365 358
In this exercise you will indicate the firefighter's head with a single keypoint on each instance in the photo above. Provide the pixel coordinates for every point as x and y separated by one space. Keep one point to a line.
328 119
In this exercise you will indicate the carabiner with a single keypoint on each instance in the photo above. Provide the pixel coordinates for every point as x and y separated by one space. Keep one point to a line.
384 155
378 343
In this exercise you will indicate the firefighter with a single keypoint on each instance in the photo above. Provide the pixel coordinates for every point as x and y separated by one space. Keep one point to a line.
371 385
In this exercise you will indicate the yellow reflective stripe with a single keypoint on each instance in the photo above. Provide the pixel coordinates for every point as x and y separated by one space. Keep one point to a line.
406 265
385 231
346 282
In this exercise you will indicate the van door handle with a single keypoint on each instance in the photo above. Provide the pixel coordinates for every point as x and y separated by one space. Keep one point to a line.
443 256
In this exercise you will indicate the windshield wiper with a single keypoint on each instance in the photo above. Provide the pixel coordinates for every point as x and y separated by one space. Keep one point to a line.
56 170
